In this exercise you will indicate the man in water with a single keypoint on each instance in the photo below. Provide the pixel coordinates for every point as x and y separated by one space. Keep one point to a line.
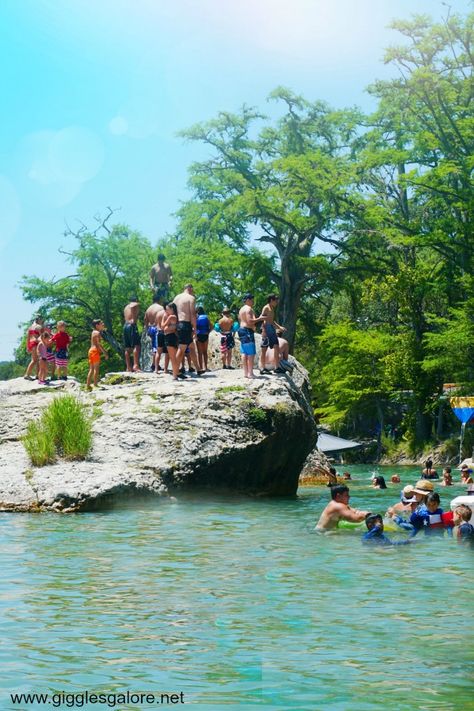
338 509
131 337
186 305
161 277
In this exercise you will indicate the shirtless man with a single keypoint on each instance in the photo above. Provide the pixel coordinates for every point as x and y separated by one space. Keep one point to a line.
248 321
186 305
150 327
160 342
269 335
338 509
131 337
161 277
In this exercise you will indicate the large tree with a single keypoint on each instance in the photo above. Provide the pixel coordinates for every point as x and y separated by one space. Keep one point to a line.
286 184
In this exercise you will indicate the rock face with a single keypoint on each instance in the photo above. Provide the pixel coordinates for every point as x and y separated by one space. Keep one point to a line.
154 436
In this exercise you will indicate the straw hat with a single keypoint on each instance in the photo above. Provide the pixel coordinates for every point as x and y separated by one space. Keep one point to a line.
423 486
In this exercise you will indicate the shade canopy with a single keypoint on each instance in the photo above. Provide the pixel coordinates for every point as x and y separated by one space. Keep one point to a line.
328 443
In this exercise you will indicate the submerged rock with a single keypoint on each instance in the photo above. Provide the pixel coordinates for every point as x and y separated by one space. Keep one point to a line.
154 437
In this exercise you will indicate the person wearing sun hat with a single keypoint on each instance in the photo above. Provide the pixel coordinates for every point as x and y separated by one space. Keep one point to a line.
407 498
422 488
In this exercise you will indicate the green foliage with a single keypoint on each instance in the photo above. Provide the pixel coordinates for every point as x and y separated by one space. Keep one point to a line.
63 430
257 417
10 369
110 265
39 444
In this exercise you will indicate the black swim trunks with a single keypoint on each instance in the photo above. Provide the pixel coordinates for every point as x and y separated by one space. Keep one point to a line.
160 340
271 339
162 291
185 333
171 340
202 337
131 337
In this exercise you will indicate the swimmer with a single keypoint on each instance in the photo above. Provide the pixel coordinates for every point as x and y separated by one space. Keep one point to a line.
338 509
375 534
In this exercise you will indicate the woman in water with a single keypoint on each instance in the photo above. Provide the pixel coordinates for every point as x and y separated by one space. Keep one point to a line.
169 326
378 482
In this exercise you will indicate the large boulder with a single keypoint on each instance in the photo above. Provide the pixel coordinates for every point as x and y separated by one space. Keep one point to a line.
154 436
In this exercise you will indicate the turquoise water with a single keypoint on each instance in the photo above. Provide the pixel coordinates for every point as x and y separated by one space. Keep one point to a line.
235 603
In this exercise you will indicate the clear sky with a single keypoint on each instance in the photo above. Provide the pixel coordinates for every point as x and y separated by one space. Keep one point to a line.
94 92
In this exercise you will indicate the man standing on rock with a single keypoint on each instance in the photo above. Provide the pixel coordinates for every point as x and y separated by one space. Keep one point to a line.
269 336
186 305
248 321
150 327
131 337
161 277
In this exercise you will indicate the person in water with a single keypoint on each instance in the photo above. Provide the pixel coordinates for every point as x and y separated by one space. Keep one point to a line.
338 509
463 531
466 477
375 534
378 482
447 477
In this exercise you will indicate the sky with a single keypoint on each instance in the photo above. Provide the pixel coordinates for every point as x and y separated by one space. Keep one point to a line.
94 93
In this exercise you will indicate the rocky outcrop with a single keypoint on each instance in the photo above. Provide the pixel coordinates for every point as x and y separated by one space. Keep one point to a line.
155 437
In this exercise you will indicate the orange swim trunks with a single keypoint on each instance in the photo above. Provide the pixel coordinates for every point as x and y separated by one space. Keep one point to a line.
94 356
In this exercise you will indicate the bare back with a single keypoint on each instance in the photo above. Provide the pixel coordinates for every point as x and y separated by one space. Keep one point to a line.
151 314
130 312
225 323
186 305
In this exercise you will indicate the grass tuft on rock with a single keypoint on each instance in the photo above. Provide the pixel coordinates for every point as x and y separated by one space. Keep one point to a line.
39 445
63 429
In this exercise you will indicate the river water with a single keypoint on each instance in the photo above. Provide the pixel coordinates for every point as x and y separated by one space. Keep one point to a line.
235 603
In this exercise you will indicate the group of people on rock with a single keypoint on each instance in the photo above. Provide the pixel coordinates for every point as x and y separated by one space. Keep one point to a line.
178 330
47 346
419 509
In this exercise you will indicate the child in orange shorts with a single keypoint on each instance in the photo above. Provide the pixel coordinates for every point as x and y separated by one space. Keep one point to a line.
95 352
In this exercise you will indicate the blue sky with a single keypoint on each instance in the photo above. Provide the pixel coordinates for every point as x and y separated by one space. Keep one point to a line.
94 92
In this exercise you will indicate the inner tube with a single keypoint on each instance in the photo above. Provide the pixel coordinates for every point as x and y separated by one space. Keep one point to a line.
388 525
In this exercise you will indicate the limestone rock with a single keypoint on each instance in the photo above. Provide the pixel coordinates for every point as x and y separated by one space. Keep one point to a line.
154 436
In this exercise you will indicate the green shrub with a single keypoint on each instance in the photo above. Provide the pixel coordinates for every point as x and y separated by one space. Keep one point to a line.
39 445
63 429
66 422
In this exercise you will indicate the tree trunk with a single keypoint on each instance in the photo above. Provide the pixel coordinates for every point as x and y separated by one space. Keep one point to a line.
290 297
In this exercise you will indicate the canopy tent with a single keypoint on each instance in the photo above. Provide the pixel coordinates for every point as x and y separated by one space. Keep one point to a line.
463 408
328 443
